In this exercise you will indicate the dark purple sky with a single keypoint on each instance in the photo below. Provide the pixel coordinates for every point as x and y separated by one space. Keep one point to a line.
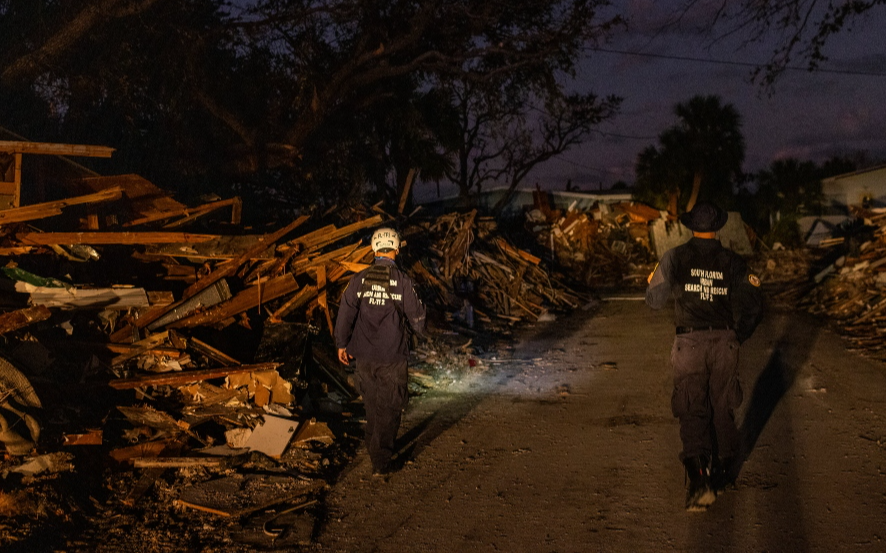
810 116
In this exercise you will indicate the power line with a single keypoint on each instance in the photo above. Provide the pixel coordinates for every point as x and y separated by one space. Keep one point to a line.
734 63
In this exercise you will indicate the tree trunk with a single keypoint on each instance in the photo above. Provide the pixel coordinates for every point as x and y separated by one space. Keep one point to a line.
696 186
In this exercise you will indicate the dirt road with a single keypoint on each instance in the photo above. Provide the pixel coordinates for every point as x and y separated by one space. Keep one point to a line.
571 447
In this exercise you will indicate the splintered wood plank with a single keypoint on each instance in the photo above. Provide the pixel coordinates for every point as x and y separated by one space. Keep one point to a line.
252 297
231 267
45 148
186 377
303 296
101 238
48 209
225 270
516 253
329 234
23 317
301 264
218 247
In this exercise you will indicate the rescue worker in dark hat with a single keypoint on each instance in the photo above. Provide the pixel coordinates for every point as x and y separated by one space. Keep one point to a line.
371 328
718 305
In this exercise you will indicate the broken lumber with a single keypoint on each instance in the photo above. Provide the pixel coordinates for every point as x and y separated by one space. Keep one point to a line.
226 269
48 209
46 148
186 377
253 296
23 317
100 238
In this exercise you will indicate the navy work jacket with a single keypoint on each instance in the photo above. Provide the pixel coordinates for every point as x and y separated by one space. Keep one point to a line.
711 286
369 326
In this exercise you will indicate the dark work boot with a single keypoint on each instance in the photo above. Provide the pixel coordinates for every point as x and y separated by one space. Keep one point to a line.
724 472
699 494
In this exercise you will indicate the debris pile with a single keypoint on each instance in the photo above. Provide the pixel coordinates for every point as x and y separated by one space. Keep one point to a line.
151 359
474 275
782 267
849 287
176 370
605 246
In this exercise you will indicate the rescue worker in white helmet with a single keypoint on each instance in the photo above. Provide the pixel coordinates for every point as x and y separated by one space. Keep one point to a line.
371 329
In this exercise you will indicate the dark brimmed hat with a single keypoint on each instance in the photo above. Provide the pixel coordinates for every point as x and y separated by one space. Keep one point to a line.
704 217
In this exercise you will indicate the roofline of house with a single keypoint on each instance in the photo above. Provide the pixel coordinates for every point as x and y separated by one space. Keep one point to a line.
854 173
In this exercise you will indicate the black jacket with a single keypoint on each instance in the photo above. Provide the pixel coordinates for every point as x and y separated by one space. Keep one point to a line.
711 285
369 324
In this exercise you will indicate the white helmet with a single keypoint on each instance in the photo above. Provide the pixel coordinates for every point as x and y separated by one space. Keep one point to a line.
385 239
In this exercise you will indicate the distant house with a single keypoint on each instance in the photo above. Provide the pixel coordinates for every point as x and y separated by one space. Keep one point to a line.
523 198
866 187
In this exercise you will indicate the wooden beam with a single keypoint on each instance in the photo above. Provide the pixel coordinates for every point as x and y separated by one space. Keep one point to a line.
327 235
179 378
100 238
45 148
48 209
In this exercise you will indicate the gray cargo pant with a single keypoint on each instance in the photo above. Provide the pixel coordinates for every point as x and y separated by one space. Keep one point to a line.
707 392
384 391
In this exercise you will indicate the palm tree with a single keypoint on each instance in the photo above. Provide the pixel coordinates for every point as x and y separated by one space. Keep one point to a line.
704 149
710 141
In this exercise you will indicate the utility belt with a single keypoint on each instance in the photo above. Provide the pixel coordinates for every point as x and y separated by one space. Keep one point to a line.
689 329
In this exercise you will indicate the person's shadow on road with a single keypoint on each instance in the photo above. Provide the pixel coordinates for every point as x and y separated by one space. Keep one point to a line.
789 353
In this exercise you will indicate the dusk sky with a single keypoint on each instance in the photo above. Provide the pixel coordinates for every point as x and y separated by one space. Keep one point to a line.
810 116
